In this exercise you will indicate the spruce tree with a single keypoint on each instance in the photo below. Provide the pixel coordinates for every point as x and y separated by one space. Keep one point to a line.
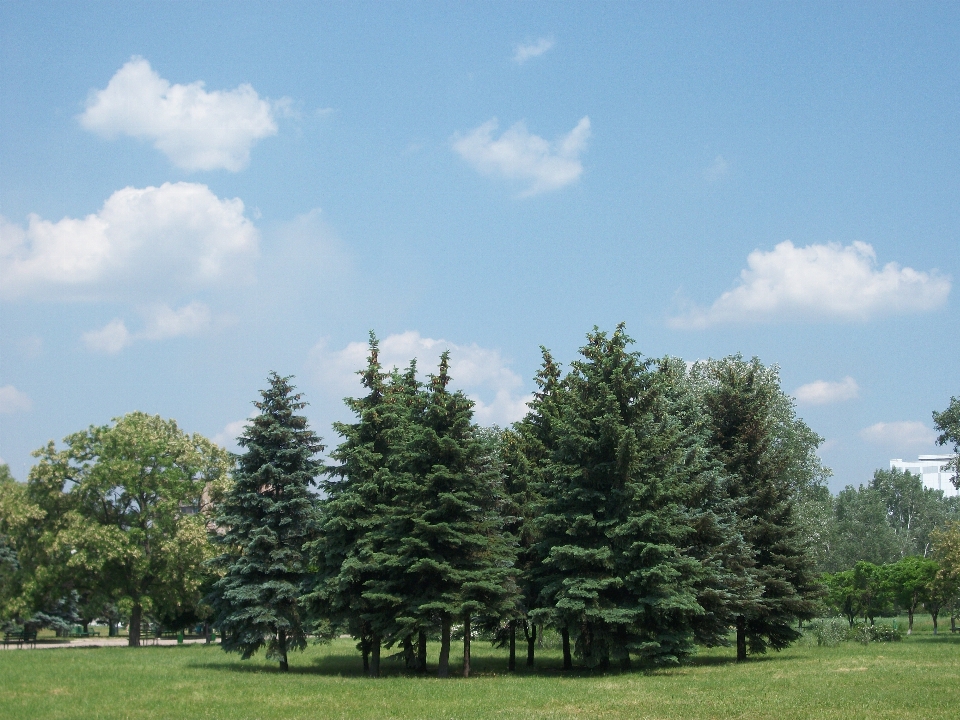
447 531
769 456
266 519
614 524
351 575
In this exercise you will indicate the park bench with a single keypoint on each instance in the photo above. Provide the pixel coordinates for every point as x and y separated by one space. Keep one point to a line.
27 636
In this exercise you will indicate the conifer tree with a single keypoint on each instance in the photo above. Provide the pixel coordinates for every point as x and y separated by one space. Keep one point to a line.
614 524
349 588
447 531
769 456
266 519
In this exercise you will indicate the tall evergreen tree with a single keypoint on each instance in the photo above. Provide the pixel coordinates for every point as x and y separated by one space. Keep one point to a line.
525 450
769 455
446 534
614 523
266 519
350 583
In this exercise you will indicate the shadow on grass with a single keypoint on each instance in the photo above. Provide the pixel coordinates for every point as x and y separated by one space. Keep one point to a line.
347 665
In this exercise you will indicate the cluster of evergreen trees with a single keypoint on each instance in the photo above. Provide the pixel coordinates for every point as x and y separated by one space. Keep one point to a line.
640 508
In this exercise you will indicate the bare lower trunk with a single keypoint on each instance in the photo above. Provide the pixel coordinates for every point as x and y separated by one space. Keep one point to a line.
567 657
365 650
422 651
934 615
512 662
530 633
910 622
466 645
375 657
625 663
206 632
409 658
136 619
741 638
282 647
444 668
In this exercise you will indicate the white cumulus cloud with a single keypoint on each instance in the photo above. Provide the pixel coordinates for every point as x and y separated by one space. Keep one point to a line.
13 400
110 339
824 392
195 129
178 235
482 373
160 322
820 281
165 322
909 434
227 438
524 51
519 155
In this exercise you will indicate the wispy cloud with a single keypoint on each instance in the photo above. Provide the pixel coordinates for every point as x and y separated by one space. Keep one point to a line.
178 235
195 129
483 373
717 170
13 400
161 322
824 392
830 282
520 155
907 435
525 51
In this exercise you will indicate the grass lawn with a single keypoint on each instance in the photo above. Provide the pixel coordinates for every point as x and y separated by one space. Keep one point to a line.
917 678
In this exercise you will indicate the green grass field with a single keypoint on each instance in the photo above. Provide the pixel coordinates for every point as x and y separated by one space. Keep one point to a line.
917 678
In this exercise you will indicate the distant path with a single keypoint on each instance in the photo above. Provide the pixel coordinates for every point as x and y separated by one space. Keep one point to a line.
99 642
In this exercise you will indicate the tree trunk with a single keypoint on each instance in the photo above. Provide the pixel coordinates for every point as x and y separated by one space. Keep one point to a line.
741 638
625 663
206 632
567 658
910 621
282 643
530 633
136 618
409 658
365 649
444 669
512 662
934 615
422 651
466 645
375 657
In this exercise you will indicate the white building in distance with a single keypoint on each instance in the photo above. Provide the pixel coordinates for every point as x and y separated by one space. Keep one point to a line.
932 468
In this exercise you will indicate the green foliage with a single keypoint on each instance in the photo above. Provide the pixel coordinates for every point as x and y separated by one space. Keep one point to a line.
120 517
769 456
948 423
622 484
827 632
265 520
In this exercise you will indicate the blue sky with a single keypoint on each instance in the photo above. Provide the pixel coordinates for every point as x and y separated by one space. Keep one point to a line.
193 195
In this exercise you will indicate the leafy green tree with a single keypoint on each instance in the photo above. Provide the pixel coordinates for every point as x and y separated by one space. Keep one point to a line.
121 518
18 516
769 455
842 594
266 518
948 423
913 511
873 590
614 524
946 551
861 530
908 580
